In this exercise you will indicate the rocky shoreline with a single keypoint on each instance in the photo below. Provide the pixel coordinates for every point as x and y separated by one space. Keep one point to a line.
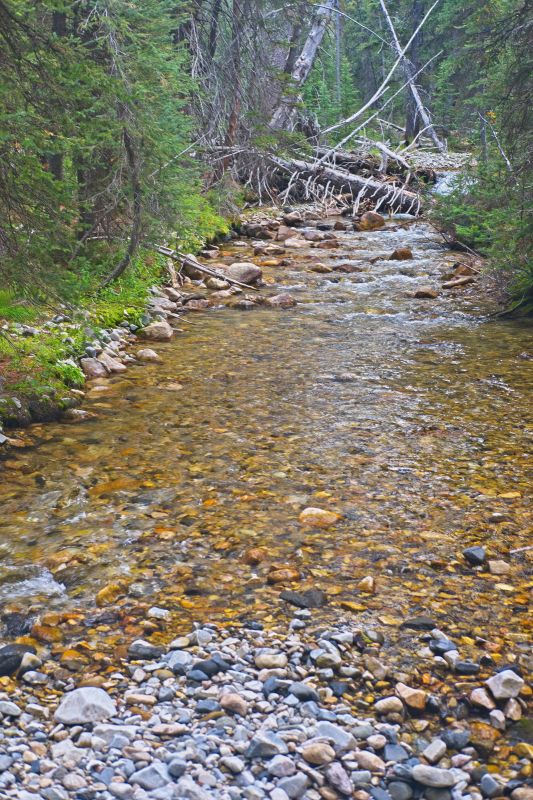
299 711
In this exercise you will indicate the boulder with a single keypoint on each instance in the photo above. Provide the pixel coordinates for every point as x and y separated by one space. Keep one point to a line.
88 704
92 368
147 355
110 363
371 221
159 331
244 272
401 254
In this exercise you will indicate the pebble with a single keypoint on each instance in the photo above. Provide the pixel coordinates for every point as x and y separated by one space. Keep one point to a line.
433 776
249 728
434 751
318 753
475 555
337 776
389 705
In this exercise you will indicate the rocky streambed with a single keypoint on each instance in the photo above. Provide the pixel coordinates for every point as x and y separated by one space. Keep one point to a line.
252 713
356 448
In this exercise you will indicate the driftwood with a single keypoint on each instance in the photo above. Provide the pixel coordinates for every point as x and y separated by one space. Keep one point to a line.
458 282
386 195
175 255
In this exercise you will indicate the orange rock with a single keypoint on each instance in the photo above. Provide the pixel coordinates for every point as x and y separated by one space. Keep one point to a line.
401 254
318 517
371 221
47 633
414 698
483 737
255 555
110 593
285 575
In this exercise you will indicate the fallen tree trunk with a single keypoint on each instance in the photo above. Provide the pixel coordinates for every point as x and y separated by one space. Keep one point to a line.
386 196
184 260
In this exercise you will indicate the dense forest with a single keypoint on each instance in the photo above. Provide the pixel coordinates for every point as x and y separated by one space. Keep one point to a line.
126 124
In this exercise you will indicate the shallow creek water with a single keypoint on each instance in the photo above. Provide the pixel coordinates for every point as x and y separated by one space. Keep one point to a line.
410 418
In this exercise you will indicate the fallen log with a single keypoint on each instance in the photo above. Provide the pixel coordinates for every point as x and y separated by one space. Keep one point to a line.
386 195
175 255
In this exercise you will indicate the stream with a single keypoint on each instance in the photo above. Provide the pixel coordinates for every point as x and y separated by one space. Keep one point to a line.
410 418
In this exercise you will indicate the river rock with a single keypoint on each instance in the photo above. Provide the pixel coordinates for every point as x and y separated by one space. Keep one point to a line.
475 555
371 221
401 254
152 777
414 698
426 293
11 657
310 598
283 300
505 684
323 269
139 649
337 777
480 697
88 704
266 744
111 364
147 355
281 767
8 709
434 751
235 703
92 368
370 761
433 776
318 753
342 740
159 331
271 660
295 785
244 272
318 517
389 705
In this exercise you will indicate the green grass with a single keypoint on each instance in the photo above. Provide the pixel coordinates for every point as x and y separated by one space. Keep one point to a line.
13 309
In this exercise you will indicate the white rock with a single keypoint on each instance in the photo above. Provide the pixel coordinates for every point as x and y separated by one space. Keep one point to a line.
88 704
434 751
505 684
9 709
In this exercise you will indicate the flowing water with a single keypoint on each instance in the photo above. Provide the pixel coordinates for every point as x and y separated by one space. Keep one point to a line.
411 418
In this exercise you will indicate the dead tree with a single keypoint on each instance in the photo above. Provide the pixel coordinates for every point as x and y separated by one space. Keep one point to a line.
409 76
284 115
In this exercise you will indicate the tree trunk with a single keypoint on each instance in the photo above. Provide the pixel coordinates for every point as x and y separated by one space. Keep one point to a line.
409 76
284 115
412 118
